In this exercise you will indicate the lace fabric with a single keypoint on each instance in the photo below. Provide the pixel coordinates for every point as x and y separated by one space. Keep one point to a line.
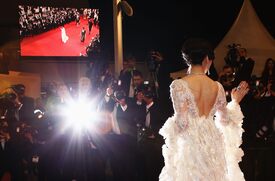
201 147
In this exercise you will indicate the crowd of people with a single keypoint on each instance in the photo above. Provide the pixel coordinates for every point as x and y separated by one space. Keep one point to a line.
123 136
122 139
34 20
259 103
258 108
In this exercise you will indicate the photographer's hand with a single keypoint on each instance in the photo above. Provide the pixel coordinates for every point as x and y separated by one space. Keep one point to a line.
152 136
157 56
109 91
238 93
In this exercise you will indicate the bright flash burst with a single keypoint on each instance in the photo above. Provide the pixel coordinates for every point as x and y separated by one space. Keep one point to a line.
79 115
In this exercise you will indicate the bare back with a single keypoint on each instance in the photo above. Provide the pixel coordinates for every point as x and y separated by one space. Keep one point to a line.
205 92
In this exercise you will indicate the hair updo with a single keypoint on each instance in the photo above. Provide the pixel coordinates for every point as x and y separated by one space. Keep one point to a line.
194 50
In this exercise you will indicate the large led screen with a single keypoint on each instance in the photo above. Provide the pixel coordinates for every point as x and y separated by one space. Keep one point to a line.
58 31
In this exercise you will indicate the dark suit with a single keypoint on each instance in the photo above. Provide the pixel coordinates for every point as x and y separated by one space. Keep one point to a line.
244 70
5 159
150 148
125 77
122 147
26 112
90 24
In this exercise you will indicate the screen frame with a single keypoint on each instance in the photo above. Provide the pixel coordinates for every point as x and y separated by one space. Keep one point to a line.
61 58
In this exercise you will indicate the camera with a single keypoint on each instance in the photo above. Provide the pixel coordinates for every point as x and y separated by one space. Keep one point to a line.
8 105
143 133
7 100
23 129
145 86
152 63
228 77
115 84
146 82
256 87
231 57
120 94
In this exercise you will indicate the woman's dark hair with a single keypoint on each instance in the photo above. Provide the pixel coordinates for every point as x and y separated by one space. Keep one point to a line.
266 65
194 51
265 73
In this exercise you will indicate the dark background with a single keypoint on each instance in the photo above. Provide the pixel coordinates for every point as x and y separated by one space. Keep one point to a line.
155 24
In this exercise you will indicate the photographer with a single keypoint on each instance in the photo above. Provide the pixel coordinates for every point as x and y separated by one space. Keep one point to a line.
242 64
28 148
265 129
9 108
123 140
227 77
26 111
150 141
245 66
5 157
160 68
232 56
126 75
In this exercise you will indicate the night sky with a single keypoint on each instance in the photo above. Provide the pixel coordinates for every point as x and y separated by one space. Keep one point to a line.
156 24
166 24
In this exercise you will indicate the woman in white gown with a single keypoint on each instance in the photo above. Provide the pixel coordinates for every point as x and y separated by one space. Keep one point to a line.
203 136
64 36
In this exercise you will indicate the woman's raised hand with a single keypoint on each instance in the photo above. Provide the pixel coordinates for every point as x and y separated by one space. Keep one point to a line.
238 93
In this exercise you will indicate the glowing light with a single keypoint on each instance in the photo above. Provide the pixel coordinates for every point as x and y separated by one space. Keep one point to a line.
38 113
79 115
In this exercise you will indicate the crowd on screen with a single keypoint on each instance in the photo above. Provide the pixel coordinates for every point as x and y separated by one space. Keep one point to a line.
37 19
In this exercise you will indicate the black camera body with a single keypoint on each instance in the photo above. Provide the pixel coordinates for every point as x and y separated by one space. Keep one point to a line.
256 87
120 94
231 57
143 133
228 77
152 63
7 100
115 84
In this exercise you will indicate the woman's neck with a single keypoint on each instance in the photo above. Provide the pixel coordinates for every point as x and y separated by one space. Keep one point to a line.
197 70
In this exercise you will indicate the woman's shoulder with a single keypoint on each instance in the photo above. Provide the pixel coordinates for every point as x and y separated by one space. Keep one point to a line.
177 84
189 81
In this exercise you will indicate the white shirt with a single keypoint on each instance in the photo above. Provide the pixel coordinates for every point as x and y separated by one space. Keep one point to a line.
123 107
131 89
147 122
139 103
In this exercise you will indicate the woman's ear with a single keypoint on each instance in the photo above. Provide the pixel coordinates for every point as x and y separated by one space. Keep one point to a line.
209 61
206 61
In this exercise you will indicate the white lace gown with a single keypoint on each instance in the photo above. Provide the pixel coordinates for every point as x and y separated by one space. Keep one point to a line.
64 36
201 148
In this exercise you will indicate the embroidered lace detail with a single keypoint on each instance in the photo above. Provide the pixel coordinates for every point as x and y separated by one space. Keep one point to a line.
199 147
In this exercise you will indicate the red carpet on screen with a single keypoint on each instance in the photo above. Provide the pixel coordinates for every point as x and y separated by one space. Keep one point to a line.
50 43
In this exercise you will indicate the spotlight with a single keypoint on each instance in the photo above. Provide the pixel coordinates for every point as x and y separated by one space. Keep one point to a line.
79 115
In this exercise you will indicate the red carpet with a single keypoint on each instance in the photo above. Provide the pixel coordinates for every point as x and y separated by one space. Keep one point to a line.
50 44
